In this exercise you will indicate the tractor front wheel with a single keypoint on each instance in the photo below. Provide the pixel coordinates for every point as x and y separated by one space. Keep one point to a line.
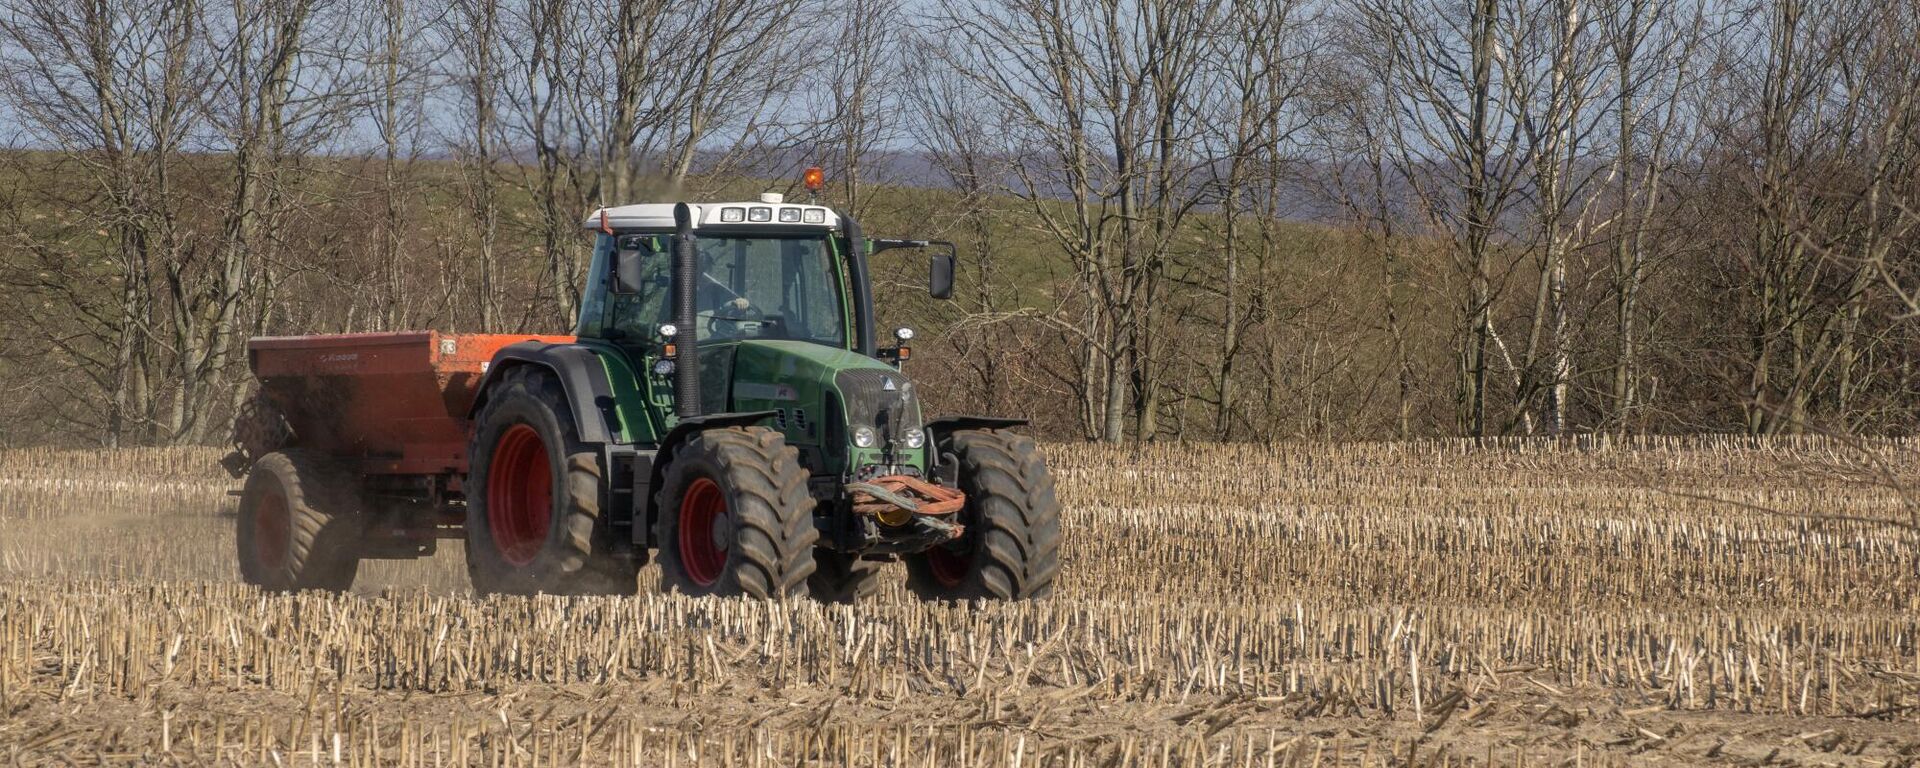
735 516
298 524
533 497
1011 547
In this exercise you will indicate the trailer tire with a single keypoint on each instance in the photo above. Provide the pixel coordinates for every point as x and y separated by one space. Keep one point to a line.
533 497
839 577
740 498
1011 548
298 524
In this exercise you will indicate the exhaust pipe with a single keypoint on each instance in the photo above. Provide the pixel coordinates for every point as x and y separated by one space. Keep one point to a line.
862 286
686 356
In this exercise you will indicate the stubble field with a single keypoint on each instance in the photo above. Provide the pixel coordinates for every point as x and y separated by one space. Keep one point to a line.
1663 601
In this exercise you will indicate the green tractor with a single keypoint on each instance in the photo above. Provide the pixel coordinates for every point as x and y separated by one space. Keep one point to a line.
724 405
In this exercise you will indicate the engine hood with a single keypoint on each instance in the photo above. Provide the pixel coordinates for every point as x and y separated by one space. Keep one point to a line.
822 395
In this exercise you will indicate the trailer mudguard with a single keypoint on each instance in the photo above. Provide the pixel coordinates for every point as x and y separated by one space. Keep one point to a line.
647 476
581 374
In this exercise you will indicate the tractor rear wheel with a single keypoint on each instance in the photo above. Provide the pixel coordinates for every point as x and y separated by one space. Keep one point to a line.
1011 548
735 516
533 497
298 524
839 577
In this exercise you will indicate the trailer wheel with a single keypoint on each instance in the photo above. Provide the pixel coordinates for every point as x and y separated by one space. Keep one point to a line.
1011 548
298 526
533 497
839 577
735 516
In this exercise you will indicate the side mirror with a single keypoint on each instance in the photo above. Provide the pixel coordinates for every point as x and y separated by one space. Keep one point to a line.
629 255
626 271
940 275
939 266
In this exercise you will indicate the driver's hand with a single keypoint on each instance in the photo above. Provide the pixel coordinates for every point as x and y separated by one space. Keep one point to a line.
740 304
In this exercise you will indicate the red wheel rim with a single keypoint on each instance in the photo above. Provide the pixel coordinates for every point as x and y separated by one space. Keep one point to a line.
272 529
703 534
948 567
519 495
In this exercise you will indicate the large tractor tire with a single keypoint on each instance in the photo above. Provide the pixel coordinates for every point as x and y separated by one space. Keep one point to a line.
839 577
298 524
1011 548
735 516
533 497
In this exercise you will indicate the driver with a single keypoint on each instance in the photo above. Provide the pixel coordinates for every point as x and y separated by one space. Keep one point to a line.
725 303
731 315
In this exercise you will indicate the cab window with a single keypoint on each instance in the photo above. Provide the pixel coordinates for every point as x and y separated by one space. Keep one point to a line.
749 288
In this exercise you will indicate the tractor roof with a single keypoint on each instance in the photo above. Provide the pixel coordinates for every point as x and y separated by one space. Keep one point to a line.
768 212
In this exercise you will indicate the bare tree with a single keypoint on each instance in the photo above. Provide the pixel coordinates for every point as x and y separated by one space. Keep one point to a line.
558 114
1025 60
473 36
1552 68
113 88
1174 46
960 143
1261 76
638 26
1654 48
273 98
1453 147
1892 193
1835 110
1800 117
736 64
859 95
1097 97
1350 134
396 111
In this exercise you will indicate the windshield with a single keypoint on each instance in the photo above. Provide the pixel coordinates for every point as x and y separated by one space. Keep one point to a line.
749 288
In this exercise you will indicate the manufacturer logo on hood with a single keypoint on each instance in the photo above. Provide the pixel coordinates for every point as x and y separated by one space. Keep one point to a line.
888 386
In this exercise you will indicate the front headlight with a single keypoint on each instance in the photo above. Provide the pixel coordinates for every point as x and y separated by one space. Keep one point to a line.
863 437
916 438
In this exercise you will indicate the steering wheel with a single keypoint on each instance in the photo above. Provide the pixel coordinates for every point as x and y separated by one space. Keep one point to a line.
739 319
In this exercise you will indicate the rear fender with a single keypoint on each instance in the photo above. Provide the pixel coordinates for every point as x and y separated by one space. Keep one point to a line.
938 429
581 374
655 473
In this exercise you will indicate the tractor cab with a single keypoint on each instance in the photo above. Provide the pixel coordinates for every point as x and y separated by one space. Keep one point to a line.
781 278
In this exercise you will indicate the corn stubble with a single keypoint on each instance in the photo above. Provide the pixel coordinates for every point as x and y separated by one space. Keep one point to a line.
1440 603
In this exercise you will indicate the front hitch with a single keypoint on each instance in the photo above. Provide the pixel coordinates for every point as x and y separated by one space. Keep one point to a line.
894 499
911 514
